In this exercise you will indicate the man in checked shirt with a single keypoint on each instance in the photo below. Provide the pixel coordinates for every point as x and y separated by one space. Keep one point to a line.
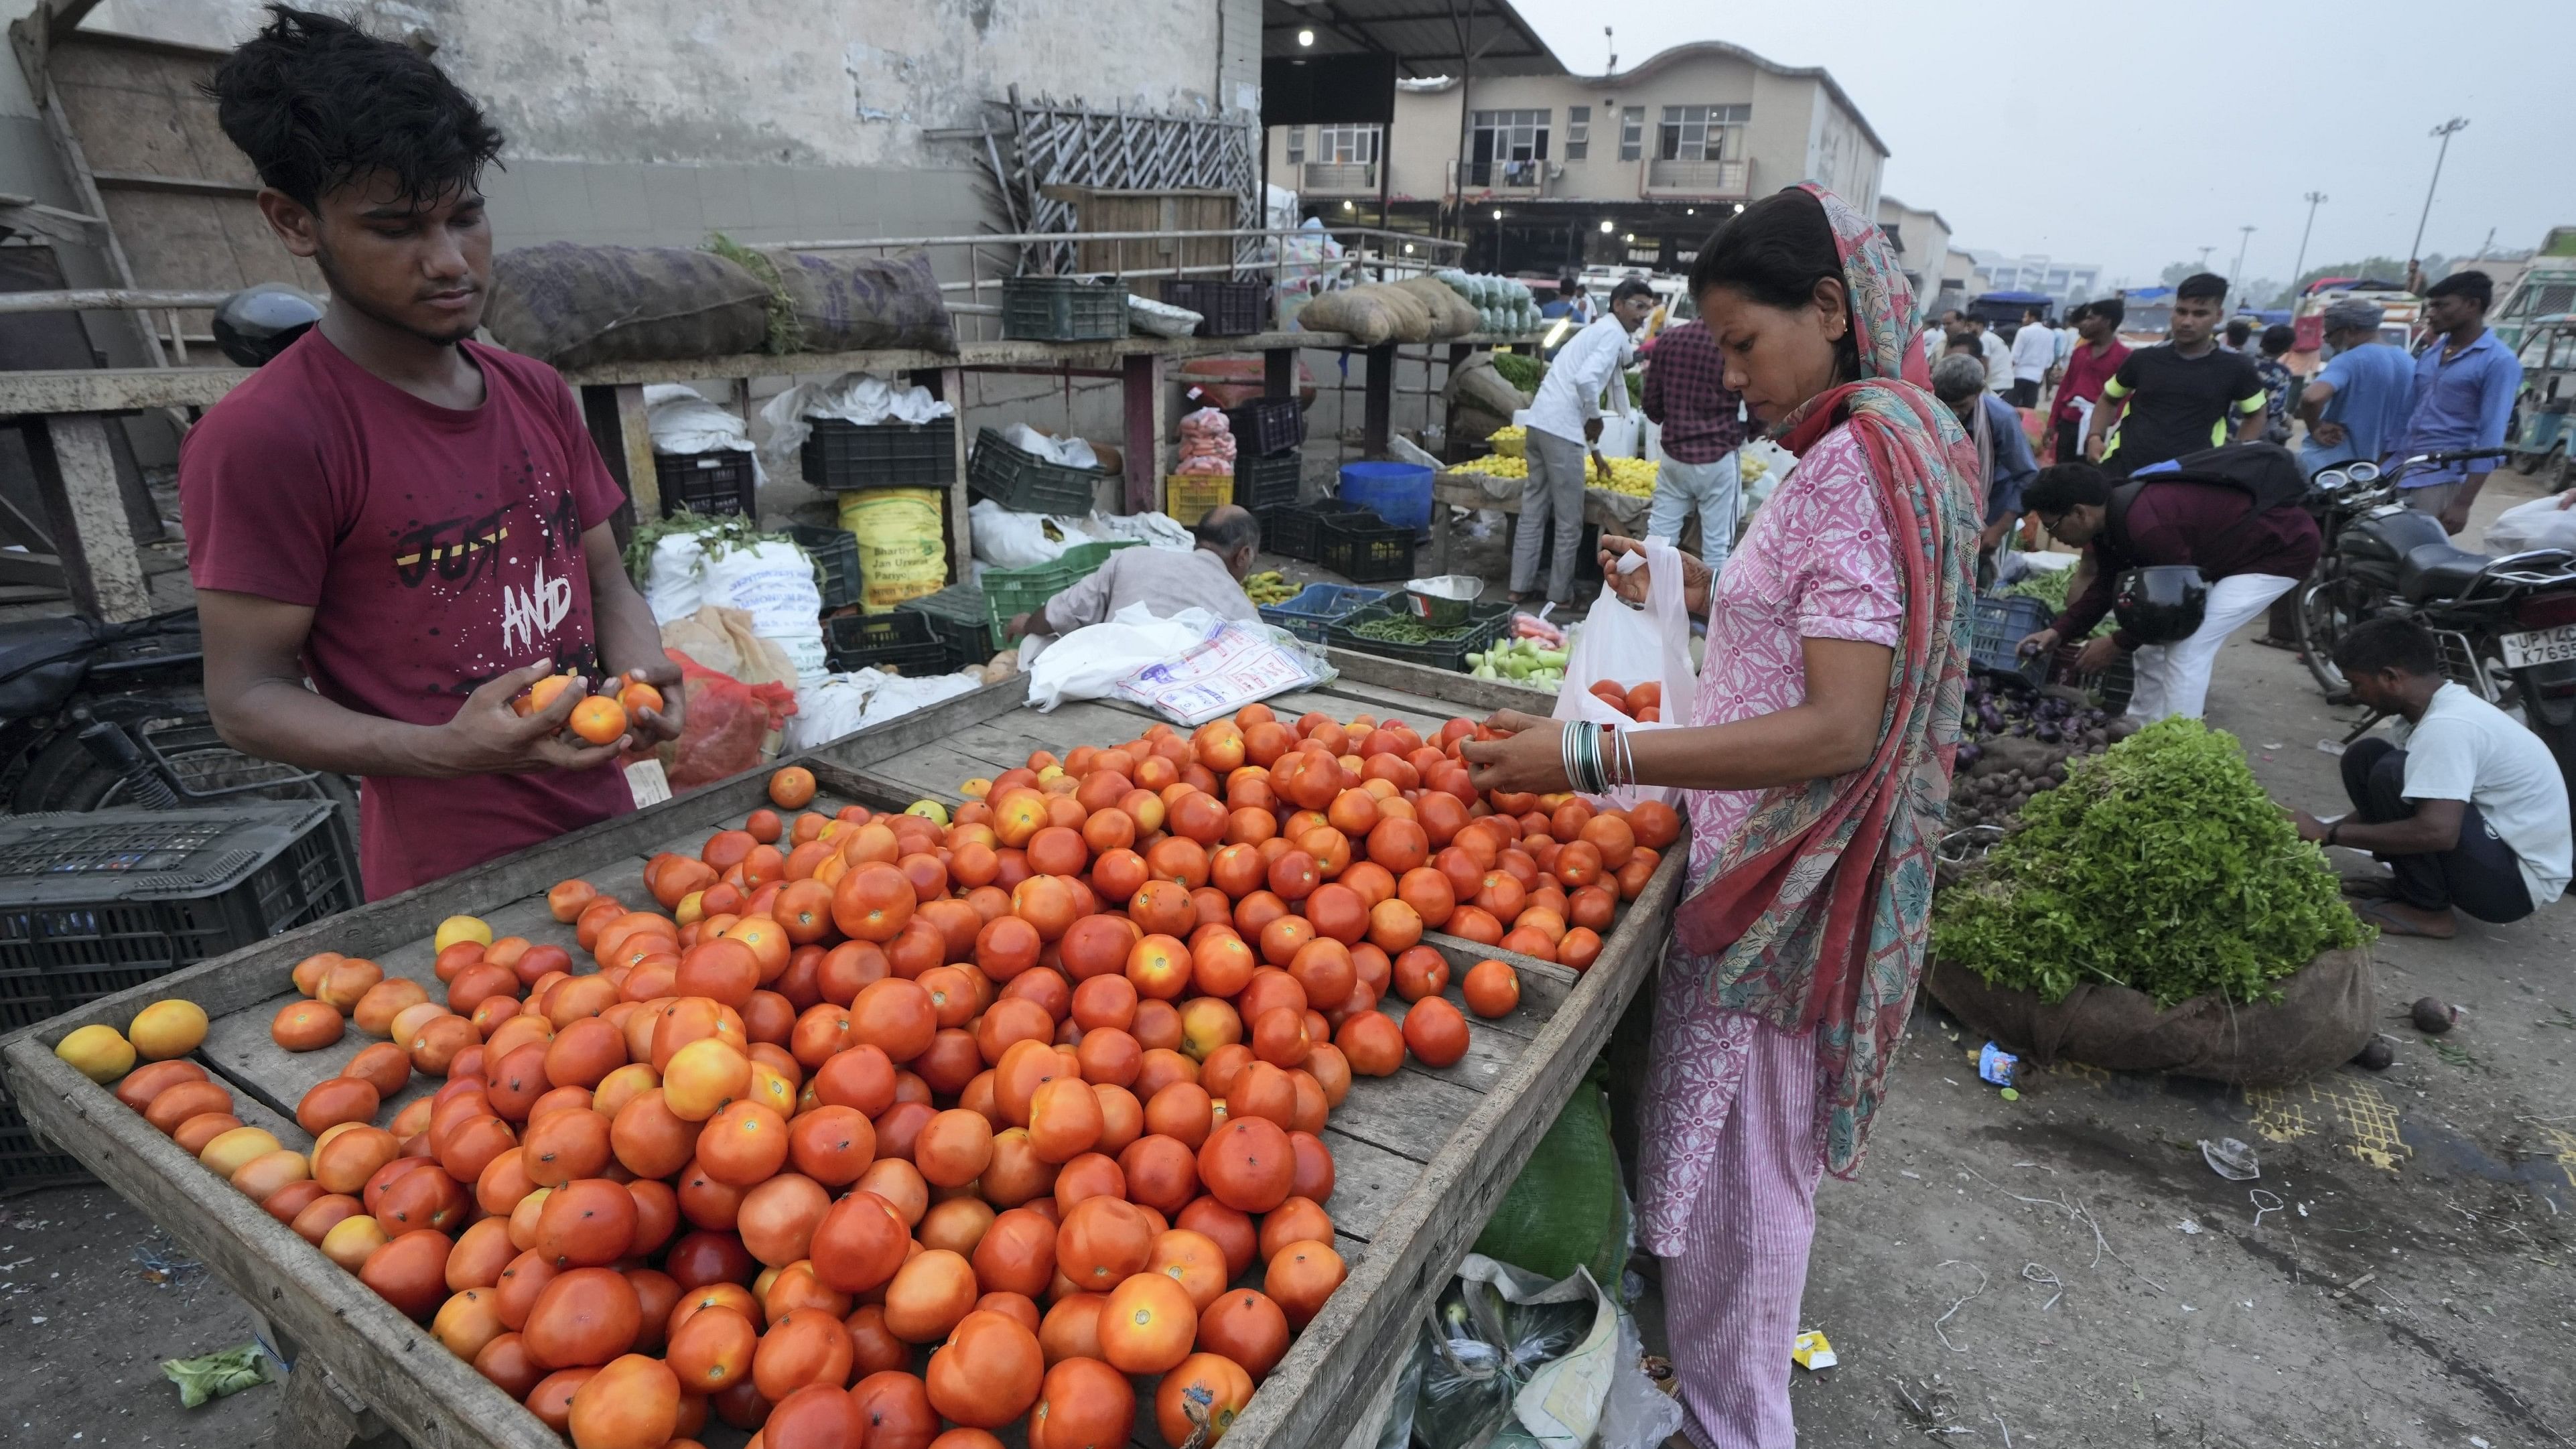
1703 425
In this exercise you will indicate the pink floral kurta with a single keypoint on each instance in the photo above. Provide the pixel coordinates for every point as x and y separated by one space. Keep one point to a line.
1817 562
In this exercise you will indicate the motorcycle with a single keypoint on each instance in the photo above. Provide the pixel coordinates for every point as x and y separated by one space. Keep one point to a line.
94 716
2505 624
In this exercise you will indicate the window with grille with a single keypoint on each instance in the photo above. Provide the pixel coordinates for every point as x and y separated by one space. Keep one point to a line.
1632 132
1355 142
1578 132
1511 135
1702 133
1296 145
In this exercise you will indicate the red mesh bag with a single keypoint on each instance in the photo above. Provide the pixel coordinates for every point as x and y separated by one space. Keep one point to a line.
726 727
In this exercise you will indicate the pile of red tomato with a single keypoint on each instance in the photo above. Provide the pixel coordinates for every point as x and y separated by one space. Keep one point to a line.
879 1086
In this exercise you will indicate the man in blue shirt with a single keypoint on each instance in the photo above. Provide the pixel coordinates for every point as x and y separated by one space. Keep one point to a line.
2465 383
1959 381
2356 406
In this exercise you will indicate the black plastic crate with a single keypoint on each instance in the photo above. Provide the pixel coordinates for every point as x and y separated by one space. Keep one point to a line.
1485 624
717 482
959 617
898 643
1365 548
835 552
842 456
1226 309
1023 482
91 904
1064 309
1268 482
1297 529
1266 426
26 1160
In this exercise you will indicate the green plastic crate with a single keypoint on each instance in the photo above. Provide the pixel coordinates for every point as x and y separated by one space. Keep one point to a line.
1018 591
959 618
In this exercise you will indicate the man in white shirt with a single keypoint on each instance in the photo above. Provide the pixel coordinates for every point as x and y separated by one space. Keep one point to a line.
1998 355
2470 814
1564 423
2034 352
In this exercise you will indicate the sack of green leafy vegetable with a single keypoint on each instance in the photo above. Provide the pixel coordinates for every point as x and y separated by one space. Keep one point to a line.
2157 912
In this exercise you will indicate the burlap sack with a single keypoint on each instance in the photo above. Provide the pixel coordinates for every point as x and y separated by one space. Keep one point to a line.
573 305
1451 315
852 303
1478 384
2326 1012
1372 314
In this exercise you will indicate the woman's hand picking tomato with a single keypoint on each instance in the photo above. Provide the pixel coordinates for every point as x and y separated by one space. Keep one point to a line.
1527 757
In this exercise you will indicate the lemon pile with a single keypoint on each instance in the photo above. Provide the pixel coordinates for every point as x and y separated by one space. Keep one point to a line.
1509 442
1634 477
1269 587
1496 466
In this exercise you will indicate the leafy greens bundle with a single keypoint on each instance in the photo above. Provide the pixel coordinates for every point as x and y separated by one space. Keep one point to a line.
2159 865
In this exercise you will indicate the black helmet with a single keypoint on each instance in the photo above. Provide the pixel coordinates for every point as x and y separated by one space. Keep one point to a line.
256 323
2162 604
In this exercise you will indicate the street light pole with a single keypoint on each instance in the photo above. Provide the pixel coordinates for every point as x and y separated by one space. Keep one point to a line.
2299 269
2445 131
2236 275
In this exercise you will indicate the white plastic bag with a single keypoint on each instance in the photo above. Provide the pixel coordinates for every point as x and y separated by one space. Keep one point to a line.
854 397
1089 662
774 583
2541 523
1160 319
673 587
1619 431
1235 665
1630 647
1009 540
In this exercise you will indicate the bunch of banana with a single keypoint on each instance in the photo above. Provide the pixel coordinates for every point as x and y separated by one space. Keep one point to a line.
1751 468
1269 587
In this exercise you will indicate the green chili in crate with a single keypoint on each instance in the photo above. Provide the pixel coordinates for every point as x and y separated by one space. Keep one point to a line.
1400 629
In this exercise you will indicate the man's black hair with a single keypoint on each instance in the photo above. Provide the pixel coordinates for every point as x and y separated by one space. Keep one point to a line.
2278 338
2388 643
2202 287
1964 342
1630 287
2239 332
1567 287
2061 487
2034 314
317 103
1228 529
2478 287
2114 308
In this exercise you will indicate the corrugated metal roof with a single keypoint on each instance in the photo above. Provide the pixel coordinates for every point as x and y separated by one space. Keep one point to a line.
1424 36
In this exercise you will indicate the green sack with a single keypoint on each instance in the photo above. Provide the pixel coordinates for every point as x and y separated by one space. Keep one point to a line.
1568 1208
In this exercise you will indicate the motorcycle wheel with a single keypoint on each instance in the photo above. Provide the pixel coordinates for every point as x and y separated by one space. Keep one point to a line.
65 776
2322 622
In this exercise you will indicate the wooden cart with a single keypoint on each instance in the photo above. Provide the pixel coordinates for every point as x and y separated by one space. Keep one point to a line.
1422 1157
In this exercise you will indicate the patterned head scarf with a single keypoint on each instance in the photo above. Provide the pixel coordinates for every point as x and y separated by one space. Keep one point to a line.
1817 915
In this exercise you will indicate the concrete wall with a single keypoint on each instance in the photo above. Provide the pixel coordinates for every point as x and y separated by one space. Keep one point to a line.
1924 240
1798 130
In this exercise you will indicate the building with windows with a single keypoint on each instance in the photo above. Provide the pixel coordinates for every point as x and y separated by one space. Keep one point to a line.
2066 282
1922 242
1553 172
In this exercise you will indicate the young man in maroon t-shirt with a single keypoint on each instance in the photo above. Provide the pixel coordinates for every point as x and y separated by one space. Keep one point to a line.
415 523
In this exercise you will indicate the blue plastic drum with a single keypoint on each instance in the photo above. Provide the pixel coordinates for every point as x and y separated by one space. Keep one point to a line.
1399 492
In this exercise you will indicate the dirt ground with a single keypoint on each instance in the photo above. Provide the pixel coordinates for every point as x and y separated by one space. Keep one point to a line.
2059 1270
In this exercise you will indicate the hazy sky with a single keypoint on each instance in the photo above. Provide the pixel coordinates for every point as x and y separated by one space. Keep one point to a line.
2134 135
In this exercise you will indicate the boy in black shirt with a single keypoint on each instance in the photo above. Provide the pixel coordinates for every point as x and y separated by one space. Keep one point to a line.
2179 397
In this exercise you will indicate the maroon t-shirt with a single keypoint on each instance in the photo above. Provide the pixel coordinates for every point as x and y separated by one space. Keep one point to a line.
2210 526
437 548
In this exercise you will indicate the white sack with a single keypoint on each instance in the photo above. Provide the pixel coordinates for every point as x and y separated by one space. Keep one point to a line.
854 397
1089 662
773 582
673 588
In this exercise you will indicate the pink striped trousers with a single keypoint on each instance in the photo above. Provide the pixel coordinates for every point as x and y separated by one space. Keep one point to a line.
1731 1294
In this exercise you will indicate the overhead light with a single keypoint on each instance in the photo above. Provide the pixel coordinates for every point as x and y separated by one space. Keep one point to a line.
1690 211
1347 206
1739 207
1498 213
1605 226
1305 37
1408 249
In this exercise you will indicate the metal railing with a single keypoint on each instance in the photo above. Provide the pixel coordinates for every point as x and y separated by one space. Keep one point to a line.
1696 180
1339 178
1501 178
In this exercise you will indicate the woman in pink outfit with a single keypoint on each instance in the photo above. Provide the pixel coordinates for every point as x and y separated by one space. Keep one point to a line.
1818 755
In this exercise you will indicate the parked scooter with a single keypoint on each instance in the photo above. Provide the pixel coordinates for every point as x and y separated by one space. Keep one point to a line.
99 715
2506 623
